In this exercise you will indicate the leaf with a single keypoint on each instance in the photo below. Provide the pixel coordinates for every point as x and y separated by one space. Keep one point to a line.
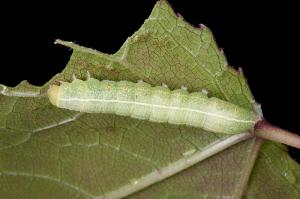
280 180
47 152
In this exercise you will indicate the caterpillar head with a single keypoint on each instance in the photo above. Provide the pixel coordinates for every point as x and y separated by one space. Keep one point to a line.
53 94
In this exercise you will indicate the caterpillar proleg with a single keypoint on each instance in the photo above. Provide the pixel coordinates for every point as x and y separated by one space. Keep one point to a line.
158 104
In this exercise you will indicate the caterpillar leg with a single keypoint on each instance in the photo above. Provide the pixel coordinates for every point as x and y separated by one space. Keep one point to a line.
60 82
88 75
74 77
164 85
204 91
183 88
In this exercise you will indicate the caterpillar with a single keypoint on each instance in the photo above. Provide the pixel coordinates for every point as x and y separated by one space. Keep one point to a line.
157 104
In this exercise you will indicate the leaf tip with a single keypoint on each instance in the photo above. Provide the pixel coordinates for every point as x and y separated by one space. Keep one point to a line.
202 26
178 15
240 71
57 41
221 50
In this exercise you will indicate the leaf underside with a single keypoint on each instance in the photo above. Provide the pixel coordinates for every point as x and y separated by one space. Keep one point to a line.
47 152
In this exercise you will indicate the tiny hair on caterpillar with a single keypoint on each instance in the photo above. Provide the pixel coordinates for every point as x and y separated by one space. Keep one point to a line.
154 103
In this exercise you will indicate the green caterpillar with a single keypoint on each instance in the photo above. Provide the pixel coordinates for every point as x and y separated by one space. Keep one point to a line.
158 104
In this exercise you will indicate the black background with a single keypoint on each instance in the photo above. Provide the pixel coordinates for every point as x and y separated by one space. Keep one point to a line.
262 39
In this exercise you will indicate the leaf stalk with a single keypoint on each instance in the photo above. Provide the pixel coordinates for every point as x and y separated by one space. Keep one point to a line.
265 130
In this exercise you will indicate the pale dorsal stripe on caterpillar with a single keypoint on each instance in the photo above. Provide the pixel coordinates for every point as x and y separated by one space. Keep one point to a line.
159 104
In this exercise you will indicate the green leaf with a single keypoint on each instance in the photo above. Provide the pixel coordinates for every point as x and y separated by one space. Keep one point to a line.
275 174
47 152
